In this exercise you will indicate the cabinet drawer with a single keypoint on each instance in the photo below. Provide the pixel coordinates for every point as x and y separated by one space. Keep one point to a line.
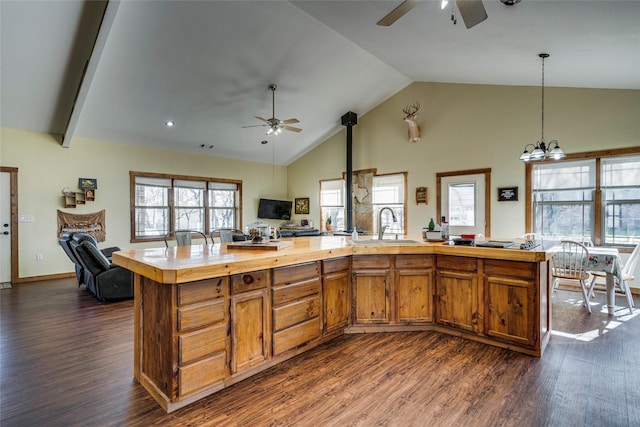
335 264
414 261
198 344
203 290
249 281
295 273
201 314
296 335
284 294
520 270
457 263
296 312
370 261
202 374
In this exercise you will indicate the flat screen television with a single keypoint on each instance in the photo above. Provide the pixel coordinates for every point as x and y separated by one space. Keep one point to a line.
274 209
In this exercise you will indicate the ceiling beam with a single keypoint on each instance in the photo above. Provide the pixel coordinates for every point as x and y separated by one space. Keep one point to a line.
91 65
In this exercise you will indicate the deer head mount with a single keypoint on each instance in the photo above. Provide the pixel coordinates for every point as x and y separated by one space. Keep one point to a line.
411 112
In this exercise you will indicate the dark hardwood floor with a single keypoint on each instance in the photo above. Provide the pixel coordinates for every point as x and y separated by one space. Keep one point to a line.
66 360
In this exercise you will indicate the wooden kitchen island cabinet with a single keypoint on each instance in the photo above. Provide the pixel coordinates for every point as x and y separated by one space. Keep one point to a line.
208 316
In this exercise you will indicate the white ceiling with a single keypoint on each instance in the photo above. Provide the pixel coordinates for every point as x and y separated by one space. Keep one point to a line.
207 64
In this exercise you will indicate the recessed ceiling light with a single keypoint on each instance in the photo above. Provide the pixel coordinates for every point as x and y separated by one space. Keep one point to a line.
264 142
169 123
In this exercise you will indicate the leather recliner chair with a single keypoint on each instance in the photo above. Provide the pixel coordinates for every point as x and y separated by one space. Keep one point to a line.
103 279
65 242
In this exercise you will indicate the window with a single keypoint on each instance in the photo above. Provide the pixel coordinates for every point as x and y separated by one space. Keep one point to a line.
593 196
462 204
162 203
332 202
563 199
372 194
388 190
621 199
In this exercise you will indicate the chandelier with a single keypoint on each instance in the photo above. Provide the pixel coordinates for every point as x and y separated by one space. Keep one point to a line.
542 150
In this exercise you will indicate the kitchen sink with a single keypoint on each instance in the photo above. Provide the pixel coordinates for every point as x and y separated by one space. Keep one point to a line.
386 242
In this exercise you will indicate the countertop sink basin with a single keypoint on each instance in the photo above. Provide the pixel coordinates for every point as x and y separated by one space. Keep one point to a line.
386 242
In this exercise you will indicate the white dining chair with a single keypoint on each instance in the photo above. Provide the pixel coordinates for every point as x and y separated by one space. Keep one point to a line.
568 263
531 236
226 236
621 282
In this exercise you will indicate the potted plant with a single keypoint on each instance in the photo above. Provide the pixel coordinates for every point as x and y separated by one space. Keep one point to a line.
328 224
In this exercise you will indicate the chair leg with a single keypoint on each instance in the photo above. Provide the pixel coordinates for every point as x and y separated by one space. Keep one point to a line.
627 293
585 294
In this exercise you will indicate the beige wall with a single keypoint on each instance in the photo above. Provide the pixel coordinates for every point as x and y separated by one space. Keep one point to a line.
470 127
463 127
45 168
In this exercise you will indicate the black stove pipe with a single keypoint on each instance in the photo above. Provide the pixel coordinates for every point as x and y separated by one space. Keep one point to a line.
349 120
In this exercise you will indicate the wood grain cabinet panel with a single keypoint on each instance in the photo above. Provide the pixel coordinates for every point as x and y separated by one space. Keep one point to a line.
203 290
457 300
296 306
371 296
249 329
414 295
249 281
511 301
296 312
337 300
196 345
296 335
202 374
201 314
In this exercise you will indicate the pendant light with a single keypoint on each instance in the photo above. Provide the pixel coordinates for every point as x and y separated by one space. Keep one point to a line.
541 150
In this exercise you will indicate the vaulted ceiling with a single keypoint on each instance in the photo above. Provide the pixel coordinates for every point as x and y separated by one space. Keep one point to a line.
207 65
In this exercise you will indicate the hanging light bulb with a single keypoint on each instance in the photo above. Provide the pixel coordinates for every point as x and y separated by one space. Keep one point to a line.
443 4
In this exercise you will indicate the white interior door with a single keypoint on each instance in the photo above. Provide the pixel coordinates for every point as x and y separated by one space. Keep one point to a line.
463 203
5 227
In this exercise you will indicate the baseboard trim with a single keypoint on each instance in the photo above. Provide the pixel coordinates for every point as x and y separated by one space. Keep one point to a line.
43 278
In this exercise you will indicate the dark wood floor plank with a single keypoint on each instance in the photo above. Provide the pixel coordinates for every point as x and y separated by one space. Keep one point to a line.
66 360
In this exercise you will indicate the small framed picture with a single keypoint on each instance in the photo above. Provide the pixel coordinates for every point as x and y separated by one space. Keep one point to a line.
508 194
87 183
302 206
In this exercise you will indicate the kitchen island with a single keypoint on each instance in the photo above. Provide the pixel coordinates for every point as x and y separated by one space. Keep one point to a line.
208 316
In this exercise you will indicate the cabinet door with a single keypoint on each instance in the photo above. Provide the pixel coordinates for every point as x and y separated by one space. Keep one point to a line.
371 296
249 329
414 295
510 309
457 300
337 301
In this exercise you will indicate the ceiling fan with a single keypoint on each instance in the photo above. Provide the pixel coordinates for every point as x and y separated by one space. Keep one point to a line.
275 125
472 11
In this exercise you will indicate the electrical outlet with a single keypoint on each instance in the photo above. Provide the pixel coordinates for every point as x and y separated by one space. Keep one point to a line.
39 257
26 218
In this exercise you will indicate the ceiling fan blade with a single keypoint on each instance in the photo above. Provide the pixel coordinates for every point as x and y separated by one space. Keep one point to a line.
292 129
260 118
289 121
398 12
253 126
472 12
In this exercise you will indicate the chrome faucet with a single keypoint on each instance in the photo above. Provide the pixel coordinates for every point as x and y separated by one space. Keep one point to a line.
381 227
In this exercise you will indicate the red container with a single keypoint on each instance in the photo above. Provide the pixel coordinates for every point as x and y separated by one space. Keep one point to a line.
468 236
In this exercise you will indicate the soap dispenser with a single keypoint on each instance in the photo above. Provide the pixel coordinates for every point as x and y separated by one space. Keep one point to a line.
354 234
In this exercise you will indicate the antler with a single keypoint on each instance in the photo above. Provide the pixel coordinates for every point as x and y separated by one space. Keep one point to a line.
411 110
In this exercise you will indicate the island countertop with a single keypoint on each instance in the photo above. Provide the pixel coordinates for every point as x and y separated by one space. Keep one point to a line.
183 264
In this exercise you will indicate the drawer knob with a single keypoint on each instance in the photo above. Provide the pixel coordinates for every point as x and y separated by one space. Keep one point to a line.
247 279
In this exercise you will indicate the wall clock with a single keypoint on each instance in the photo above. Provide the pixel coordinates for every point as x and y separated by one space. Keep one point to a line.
302 205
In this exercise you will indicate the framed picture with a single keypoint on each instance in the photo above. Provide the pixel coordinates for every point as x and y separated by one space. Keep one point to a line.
508 194
87 183
302 205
